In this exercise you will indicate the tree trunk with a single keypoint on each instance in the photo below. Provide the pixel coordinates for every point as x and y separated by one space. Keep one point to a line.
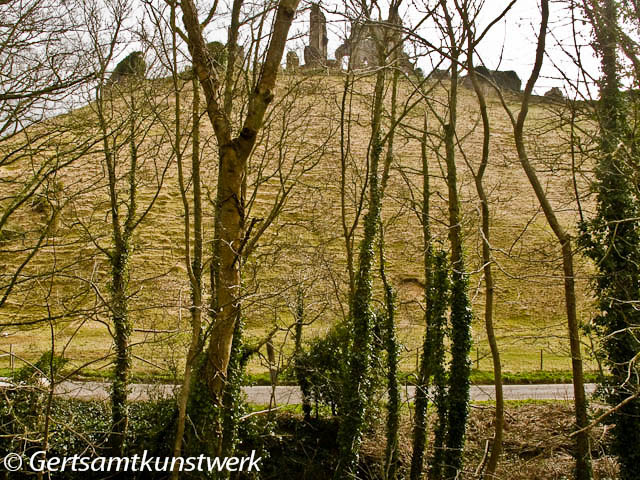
391 346
426 360
230 202
301 374
122 332
194 265
390 338
120 259
440 294
613 241
496 448
583 463
355 391
228 235
232 395
458 392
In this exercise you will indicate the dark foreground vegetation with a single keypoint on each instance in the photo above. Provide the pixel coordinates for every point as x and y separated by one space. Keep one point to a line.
536 443
292 441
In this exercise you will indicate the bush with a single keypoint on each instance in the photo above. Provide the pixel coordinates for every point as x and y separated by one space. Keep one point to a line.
319 369
80 427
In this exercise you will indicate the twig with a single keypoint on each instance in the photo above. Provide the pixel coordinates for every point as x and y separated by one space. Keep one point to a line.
483 462
273 409
606 414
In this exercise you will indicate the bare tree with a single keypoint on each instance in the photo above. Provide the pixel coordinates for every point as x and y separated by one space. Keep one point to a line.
125 112
583 459
43 67
478 174
233 151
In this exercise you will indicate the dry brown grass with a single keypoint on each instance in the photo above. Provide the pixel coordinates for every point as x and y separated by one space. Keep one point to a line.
537 445
304 246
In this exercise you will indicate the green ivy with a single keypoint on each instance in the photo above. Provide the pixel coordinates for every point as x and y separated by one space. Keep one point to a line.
460 371
612 240
438 302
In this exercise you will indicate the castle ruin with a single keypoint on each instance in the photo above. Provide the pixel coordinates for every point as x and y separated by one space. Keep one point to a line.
361 47
507 79
315 54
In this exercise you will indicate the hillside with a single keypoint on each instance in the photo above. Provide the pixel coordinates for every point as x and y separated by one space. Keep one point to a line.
304 247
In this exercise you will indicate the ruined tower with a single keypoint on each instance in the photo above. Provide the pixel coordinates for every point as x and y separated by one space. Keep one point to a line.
315 54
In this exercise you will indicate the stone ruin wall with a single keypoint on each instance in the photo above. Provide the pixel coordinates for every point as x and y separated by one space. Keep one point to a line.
315 54
360 47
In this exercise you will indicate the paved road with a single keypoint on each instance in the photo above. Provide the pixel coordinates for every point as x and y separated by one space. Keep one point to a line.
291 394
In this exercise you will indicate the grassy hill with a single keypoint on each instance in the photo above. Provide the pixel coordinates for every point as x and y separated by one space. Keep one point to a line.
304 247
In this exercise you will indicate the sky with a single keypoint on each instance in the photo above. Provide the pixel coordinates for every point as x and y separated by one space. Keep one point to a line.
510 44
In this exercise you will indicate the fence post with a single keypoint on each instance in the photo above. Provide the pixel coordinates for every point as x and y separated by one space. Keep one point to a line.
11 361
541 364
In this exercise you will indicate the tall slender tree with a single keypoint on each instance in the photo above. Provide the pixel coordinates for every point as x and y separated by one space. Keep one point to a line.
436 286
357 387
460 371
391 347
478 175
124 120
583 458
465 12
193 217
361 315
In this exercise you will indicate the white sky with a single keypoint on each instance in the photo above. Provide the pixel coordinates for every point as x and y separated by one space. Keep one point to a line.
510 45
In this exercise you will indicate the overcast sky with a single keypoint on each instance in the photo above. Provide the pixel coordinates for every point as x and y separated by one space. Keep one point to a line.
510 45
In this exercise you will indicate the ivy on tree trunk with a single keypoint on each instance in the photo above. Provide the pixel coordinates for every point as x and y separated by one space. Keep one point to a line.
612 240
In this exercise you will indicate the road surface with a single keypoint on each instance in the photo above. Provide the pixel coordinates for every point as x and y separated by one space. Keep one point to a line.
285 395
